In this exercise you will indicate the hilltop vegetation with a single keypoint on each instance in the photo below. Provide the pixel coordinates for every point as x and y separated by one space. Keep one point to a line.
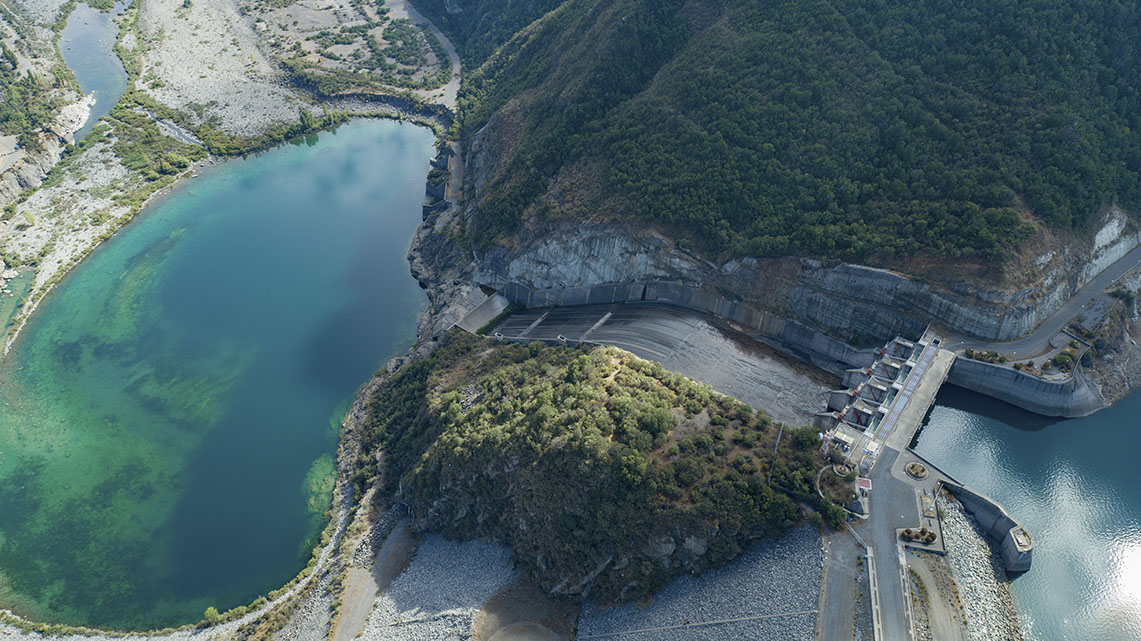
583 459
861 130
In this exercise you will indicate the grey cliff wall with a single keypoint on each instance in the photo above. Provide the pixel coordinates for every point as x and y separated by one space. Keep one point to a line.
851 302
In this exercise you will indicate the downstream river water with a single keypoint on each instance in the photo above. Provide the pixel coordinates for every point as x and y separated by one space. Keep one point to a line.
87 44
170 414
1074 485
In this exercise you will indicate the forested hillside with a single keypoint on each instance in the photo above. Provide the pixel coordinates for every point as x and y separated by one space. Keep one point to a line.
862 129
479 27
583 459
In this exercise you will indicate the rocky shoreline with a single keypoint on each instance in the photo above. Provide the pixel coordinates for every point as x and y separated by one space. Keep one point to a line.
983 585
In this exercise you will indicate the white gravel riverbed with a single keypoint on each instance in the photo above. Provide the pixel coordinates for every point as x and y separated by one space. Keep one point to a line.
439 594
979 575
772 577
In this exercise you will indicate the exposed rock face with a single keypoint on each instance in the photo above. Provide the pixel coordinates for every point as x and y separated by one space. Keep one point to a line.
1116 369
844 300
32 168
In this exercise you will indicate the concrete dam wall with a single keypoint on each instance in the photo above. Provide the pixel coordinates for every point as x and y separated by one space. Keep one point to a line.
1015 544
1068 399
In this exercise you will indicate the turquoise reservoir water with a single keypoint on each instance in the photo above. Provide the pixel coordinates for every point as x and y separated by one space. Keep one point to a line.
1074 484
168 418
87 44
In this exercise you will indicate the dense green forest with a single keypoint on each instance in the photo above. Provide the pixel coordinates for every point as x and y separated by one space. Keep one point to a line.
573 456
482 25
861 129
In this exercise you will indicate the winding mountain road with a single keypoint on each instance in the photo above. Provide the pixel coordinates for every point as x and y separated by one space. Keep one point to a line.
1037 342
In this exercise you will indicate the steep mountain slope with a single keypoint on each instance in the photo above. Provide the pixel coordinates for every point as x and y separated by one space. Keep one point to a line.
861 130
479 27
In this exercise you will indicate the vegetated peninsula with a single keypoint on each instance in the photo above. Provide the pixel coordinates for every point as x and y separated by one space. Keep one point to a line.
605 473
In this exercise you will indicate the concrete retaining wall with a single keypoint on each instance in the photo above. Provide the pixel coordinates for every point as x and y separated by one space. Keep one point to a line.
1068 399
996 523
1073 398
826 352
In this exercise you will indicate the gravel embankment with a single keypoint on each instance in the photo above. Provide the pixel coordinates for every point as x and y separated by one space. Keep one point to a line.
980 577
313 616
365 552
439 594
772 577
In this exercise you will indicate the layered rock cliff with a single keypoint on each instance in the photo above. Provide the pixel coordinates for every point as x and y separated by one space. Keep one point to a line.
852 302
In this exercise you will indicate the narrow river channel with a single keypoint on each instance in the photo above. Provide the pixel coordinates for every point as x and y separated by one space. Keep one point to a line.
170 414
88 47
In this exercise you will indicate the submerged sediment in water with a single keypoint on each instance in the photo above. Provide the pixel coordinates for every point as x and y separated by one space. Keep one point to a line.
170 410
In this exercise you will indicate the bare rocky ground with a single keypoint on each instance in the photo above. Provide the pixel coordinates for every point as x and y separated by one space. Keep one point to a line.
441 592
364 38
980 582
1117 366
206 59
938 611
32 41
778 576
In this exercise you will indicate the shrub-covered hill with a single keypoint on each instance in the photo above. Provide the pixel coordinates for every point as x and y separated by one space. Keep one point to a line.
861 129
602 471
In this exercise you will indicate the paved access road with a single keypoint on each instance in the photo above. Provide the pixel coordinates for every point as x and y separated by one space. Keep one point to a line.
892 506
1037 342
837 602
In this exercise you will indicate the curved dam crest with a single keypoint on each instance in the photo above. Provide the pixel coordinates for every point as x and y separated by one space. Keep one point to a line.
169 414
